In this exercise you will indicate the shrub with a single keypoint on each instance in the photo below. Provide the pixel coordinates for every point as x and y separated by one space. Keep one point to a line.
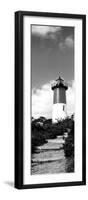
43 129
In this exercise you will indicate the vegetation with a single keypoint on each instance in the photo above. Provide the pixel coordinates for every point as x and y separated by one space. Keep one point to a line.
43 129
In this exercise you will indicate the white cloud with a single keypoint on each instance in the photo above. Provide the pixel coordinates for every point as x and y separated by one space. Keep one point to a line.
71 99
62 46
67 43
45 30
42 101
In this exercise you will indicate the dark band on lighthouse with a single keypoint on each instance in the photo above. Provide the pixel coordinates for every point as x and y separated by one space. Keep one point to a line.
59 96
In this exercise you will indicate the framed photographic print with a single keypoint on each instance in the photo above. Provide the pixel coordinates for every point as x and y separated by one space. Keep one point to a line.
50 99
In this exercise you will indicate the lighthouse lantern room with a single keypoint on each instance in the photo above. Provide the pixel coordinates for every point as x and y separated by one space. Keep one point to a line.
59 88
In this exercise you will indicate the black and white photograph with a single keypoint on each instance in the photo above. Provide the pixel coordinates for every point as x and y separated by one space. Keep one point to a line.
50 104
53 94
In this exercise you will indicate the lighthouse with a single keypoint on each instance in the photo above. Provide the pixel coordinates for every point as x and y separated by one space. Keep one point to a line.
59 88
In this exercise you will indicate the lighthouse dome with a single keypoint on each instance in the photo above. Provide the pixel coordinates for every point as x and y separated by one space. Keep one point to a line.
59 82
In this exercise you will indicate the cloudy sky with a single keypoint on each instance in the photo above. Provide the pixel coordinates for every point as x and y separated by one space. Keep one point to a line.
52 51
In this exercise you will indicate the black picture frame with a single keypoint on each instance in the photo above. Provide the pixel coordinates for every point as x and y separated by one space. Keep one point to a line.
19 98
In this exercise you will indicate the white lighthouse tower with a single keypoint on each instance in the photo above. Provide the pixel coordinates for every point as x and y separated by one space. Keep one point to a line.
59 88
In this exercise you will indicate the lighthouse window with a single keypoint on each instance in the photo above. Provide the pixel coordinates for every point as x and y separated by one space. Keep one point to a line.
63 107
